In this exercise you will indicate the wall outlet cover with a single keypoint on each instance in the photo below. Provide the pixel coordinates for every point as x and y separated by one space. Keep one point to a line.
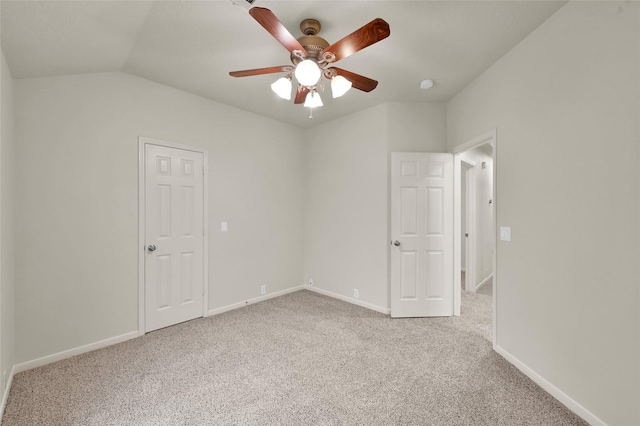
263 289
356 293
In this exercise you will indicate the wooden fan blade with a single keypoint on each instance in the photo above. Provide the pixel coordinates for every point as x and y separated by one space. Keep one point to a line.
259 71
358 81
272 24
301 95
373 32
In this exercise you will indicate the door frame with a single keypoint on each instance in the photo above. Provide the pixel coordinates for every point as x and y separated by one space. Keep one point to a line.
142 142
489 137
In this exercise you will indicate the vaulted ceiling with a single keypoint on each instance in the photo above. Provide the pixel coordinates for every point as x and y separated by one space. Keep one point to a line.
192 45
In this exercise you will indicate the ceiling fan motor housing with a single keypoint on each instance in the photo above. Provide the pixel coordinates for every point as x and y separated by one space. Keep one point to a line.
311 42
318 51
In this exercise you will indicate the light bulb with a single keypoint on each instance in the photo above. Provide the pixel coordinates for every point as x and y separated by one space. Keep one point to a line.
282 88
313 100
308 73
339 86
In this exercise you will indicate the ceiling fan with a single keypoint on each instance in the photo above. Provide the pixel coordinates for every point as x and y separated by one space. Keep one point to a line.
311 56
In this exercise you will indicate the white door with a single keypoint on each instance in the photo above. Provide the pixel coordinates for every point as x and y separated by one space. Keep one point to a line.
422 234
470 247
174 193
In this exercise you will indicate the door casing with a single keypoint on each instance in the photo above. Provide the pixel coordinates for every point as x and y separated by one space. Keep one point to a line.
142 142
489 137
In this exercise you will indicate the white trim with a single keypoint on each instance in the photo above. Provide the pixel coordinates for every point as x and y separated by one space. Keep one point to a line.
142 141
386 311
75 351
141 236
457 233
495 236
7 388
237 305
562 397
489 137
484 281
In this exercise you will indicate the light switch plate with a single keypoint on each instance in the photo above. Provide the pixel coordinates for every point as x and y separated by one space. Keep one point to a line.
223 227
505 233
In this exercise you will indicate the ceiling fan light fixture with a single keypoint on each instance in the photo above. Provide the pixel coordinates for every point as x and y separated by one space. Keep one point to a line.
282 88
308 73
313 100
339 86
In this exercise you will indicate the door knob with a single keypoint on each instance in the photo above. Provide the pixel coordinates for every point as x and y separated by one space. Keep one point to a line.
151 247
396 243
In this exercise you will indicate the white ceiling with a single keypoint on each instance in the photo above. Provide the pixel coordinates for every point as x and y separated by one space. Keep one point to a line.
192 45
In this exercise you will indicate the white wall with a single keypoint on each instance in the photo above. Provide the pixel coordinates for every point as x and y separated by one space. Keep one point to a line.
483 226
7 203
346 206
77 228
416 127
565 103
347 209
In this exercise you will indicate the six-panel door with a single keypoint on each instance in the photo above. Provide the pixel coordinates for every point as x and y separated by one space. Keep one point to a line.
174 196
422 225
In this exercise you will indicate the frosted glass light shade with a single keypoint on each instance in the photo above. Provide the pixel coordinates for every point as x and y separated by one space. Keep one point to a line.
308 73
282 88
313 100
339 86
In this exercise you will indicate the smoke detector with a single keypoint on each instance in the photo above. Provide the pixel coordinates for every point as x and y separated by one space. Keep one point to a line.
426 84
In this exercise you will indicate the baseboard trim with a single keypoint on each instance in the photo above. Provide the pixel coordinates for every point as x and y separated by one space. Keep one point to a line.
5 395
351 300
483 282
565 399
75 351
233 306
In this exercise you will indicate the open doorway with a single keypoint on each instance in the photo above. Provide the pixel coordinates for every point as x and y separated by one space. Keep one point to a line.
475 222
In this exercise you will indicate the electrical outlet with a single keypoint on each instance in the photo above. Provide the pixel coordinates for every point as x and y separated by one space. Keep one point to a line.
263 289
356 293
310 283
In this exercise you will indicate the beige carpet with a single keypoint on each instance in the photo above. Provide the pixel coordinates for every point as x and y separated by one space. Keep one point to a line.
301 359
486 288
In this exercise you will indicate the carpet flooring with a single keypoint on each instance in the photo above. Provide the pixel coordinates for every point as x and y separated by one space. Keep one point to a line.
299 359
486 288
